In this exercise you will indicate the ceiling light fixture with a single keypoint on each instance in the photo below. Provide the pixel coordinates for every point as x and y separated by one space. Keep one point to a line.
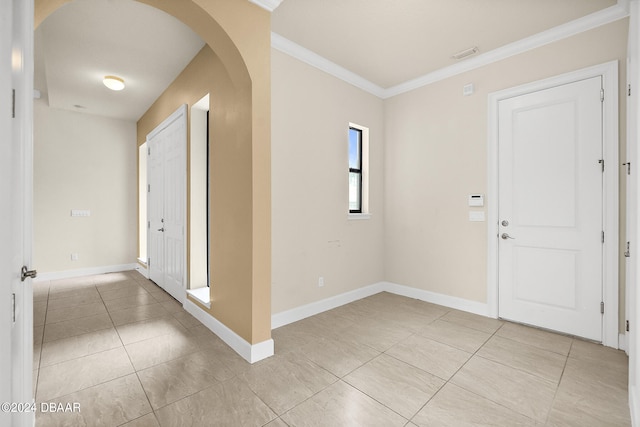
113 82
465 53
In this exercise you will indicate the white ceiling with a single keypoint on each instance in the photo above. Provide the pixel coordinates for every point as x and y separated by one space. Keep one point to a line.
385 42
85 40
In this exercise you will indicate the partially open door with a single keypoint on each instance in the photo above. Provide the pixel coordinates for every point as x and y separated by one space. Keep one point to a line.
16 154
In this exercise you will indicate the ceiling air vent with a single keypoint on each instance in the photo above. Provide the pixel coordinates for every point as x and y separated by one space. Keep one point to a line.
465 53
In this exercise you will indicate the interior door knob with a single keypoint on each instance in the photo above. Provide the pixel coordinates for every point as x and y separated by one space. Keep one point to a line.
25 272
505 236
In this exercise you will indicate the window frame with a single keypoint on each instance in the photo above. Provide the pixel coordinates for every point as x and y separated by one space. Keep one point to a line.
359 170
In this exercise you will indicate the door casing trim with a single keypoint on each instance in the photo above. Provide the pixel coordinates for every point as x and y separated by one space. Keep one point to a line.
609 73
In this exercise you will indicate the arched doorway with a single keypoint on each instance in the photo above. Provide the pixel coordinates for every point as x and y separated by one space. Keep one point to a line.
240 248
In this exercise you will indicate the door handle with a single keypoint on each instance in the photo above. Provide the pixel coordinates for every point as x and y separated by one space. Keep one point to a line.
505 236
25 272
161 229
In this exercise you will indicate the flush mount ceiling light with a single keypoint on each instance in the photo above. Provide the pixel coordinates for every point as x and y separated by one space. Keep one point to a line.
113 82
465 53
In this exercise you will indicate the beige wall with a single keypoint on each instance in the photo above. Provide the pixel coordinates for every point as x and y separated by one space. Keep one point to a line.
312 236
436 154
231 231
83 161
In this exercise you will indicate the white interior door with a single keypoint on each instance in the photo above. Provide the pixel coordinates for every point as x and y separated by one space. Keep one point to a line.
155 208
175 206
167 203
550 208
16 121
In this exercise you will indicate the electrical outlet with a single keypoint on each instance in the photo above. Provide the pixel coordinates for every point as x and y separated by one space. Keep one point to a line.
320 281
74 257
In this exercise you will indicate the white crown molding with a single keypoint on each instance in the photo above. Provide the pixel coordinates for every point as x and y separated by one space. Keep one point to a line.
552 35
269 5
586 23
305 55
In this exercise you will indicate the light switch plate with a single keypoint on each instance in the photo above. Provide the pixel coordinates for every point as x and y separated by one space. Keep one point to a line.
80 212
476 216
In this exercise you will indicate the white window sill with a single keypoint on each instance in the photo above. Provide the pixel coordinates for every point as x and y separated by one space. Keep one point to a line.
202 295
358 216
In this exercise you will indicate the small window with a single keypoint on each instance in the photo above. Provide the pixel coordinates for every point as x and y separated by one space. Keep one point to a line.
355 170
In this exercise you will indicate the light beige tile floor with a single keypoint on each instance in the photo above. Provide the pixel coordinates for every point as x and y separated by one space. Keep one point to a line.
129 355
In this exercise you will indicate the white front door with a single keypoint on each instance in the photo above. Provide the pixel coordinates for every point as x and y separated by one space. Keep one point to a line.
16 296
550 208
166 207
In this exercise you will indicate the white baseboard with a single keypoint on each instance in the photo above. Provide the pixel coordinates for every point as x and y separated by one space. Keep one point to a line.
462 304
142 269
311 309
251 353
622 343
55 275
634 405
308 310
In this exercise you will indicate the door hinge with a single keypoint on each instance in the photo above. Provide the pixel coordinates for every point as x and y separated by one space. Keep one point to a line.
148 188
13 306
148 262
603 237
13 103
602 308
149 151
628 165
148 224
627 253
629 91
601 161
601 95
627 326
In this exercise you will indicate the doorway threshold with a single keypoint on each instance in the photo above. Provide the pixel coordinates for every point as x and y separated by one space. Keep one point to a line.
202 295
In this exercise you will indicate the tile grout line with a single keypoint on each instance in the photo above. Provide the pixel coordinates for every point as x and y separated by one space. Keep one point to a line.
37 380
408 419
447 381
135 370
97 384
555 394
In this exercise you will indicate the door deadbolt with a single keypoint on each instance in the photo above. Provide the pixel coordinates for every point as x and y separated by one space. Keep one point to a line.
505 223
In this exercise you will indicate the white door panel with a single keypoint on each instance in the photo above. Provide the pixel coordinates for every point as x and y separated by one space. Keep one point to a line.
174 219
167 203
16 155
155 181
550 205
